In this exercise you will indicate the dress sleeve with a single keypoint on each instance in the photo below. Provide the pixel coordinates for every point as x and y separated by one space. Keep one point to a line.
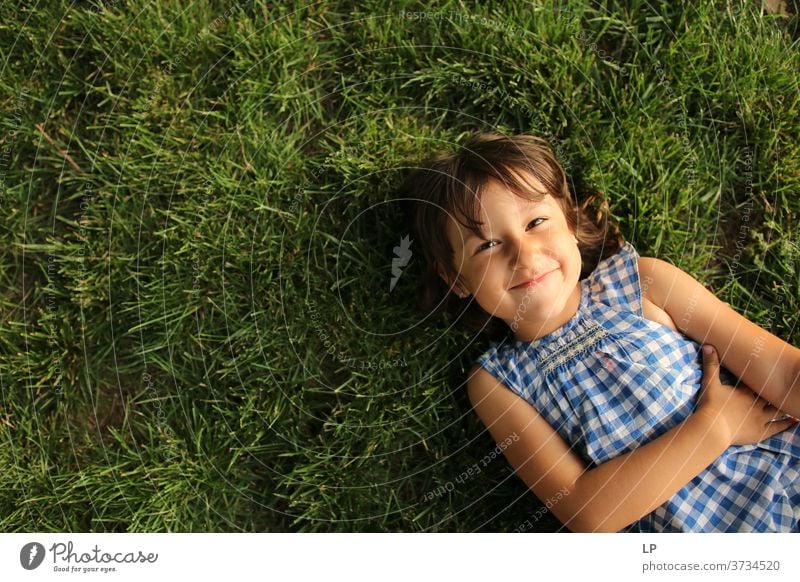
497 363
615 281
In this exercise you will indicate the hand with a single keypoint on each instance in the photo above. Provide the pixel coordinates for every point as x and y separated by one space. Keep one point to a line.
744 417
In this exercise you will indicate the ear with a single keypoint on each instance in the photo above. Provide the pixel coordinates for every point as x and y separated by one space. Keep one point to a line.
443 274
458 287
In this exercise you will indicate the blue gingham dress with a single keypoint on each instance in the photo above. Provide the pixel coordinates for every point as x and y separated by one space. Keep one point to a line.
610 380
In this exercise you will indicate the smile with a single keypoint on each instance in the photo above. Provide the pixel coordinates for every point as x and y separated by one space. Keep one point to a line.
532 282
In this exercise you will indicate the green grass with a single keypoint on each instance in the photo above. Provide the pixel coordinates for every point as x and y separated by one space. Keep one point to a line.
231 212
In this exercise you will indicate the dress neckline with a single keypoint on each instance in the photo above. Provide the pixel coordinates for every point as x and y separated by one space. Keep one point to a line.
573 321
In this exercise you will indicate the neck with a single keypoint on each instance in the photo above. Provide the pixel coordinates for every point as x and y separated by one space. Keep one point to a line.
529 331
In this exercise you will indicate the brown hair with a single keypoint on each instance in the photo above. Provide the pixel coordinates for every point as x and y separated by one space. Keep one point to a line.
451 184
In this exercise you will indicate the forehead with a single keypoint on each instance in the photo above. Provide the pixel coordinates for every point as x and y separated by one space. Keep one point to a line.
496 200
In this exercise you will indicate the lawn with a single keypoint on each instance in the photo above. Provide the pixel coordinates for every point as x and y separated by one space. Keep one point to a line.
205 326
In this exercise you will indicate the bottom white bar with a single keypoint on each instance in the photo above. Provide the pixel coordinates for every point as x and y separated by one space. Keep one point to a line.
379 557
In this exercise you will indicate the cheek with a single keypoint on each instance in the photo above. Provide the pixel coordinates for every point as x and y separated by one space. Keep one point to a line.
570 258
484 275
577 262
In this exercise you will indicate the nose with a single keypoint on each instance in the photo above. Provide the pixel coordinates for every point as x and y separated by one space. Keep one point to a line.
522 253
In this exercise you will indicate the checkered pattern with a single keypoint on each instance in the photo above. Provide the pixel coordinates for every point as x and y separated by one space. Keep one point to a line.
610 380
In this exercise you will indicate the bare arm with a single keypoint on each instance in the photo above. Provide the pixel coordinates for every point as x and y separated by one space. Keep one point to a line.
612 495
766 363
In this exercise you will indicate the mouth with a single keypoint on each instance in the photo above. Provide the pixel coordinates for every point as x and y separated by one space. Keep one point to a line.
532 282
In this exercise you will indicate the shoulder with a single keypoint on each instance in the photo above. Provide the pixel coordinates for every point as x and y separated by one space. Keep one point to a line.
615 280
616 268
647 267
481 385
654 274
478 381
500 360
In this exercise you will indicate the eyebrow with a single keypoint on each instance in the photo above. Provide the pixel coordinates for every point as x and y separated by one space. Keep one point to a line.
472 235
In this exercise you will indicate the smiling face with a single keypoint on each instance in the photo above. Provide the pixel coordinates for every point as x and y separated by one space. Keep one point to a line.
526 267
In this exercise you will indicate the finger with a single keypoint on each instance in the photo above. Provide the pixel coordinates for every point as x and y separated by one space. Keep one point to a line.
710 364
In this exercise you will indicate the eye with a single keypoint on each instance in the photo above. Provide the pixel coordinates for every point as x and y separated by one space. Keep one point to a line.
490 243
483 247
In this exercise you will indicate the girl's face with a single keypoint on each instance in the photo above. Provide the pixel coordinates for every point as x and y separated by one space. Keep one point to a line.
527 269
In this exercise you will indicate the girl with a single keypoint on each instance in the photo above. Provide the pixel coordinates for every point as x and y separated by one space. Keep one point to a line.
595 364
